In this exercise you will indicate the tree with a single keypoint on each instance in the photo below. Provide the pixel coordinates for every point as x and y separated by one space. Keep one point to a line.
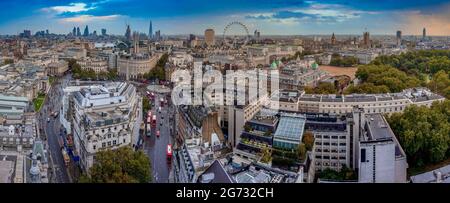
308 140
266 156
122 165
71 62
440 83
382 79
8 61
322 88
346 61
424 61
344 173
247 128
158 71
301 151
424 133
112 74
146 104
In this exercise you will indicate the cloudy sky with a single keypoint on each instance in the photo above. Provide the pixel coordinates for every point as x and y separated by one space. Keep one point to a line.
280 17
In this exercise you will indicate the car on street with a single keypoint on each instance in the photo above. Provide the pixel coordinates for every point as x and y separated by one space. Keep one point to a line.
157 133
169 153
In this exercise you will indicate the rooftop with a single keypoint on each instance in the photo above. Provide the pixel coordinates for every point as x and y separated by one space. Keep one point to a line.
6 171
215 173
290 127
414 94
440 175
378 130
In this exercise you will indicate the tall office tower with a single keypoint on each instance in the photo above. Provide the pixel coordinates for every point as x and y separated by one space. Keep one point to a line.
78 31
366 39
399 38
424 33
103 32
94 33
158 35
47 32
150 31
128 33
27 33
136 42
333 39
210 39
86 31
74 31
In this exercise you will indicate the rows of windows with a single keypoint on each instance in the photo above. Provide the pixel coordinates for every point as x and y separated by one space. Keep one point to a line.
332 144
363 105
109 144
328 157
379 110
332 137
332 150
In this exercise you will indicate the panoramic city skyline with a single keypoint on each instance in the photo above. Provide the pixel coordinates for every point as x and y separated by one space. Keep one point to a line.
286 17
225 91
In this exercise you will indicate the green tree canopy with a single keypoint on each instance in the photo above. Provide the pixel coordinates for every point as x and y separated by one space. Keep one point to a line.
440 83
382 79
122 165
308 140
322 88
158 72
424 133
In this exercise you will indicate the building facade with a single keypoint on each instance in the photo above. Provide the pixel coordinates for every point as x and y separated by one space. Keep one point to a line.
57 68
98 65
102 117
210 38
135 66
372 103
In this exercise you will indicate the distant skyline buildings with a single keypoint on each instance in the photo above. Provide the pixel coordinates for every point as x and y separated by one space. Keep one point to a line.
128 33
210 38
86 31
424 33
271 18
399 37
78 32
150 31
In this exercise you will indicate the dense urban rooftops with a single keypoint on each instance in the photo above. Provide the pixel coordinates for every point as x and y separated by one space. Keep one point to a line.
414 94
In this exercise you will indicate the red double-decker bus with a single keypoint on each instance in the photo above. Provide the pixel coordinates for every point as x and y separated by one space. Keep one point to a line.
154 121
169 153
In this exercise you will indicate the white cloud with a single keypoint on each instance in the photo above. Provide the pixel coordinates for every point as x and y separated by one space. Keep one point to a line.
312 12
89 18
71 8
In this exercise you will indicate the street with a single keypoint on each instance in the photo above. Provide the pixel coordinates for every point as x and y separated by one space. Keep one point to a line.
156 148
52 130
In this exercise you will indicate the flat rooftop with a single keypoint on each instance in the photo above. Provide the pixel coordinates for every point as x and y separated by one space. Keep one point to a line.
378 128
6 171
432 176
414 94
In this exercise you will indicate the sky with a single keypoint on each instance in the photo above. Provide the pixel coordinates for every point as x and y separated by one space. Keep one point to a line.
270 17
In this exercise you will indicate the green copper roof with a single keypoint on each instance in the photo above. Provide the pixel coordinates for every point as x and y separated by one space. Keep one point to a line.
315 65
274 64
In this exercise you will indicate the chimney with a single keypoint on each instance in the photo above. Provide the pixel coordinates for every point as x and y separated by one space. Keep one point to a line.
438 177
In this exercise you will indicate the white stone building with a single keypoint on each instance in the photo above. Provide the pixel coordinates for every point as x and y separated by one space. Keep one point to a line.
102 117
